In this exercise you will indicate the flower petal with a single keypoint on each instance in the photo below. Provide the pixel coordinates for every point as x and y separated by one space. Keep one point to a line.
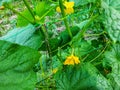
71 60
68 4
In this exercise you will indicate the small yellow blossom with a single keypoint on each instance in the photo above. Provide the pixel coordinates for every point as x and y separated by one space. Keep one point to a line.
68 4
37 18
2 7
69 10
68 7
55 70
58 9
71 60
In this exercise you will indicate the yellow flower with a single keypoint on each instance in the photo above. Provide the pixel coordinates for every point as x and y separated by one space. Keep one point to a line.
69 10
68 4
37 18
58 9
55 70
68 7
71 60
2 7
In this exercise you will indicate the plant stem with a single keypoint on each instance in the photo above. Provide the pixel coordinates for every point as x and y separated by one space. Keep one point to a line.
98 63
88 35
7 6
81 33
41 66
28 7
65 19
84 28
100 53
47 41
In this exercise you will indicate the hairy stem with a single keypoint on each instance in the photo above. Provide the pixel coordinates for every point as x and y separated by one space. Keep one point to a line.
65 19
47 41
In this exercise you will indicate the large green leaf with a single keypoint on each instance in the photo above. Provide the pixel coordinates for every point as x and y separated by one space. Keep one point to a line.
82 77
16 63
111 18
26 36
112 59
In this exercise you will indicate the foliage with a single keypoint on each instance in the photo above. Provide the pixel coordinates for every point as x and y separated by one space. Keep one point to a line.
23 22
82 2
39 11
81 77
26 36
112 59
17 62
83 55
4 1
112 18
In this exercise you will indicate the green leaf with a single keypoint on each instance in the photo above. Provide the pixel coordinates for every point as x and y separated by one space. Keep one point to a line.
112 59
22 21
41 9
111 18
82 2
26 36
82 24
65 37
4 1
16 63
81 77
84 48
